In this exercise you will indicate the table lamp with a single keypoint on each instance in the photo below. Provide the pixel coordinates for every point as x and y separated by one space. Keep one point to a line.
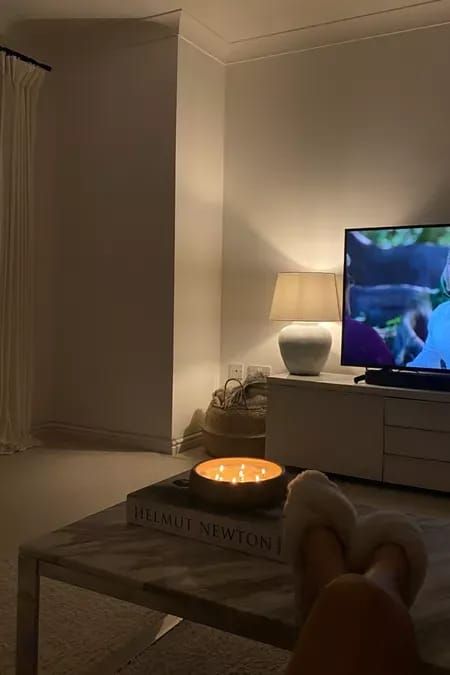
305 298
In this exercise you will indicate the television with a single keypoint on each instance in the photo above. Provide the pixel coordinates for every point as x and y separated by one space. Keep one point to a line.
396 298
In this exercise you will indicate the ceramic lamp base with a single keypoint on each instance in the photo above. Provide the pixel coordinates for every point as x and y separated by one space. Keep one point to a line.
304 347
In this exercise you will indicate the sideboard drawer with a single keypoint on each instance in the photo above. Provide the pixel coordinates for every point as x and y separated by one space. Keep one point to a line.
417 443
417 414
417 472
333 424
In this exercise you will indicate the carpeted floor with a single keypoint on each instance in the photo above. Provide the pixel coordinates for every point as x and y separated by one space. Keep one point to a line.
83 633
197 650
79 629
86 633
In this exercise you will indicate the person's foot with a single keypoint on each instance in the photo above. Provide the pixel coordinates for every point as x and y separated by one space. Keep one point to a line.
320 560
390 570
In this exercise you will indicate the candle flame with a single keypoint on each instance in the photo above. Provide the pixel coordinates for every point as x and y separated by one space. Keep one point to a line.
244 471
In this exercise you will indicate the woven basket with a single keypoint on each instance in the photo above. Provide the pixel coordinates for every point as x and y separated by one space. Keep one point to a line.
235 422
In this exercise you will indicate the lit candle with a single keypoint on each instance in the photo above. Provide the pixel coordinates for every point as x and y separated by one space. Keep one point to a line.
239 482
250 471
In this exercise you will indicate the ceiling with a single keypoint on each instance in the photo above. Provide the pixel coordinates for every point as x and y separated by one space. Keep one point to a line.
246 21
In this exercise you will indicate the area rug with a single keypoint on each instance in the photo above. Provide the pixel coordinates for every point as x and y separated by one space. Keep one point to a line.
83 633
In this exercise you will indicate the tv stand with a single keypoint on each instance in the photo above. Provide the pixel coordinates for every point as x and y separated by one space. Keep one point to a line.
382 433
406 379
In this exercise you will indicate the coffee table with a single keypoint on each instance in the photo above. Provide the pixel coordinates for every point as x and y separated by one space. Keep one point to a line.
248 596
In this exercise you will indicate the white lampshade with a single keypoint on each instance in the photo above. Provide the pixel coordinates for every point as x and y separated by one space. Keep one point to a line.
305 296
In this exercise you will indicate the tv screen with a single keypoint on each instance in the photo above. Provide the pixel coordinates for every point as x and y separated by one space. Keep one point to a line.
397 298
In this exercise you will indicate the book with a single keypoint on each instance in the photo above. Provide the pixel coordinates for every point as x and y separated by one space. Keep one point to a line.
169 507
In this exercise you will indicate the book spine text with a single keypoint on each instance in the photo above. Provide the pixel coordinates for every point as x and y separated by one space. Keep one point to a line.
261 541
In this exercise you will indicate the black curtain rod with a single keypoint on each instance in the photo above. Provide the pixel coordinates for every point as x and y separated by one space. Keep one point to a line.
22 57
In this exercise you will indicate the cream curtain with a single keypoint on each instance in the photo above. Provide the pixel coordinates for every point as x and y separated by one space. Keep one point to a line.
19 90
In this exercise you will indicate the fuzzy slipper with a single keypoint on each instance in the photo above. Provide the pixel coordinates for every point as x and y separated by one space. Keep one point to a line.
386 527
314 500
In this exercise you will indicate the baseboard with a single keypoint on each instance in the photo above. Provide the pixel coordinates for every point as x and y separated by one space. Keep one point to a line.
123 439
187 442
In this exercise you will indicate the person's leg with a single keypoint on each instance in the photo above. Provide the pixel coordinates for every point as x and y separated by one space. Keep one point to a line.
390 571
319 561
359 624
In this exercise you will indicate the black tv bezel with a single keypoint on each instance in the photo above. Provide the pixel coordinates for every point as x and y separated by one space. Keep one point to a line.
411 369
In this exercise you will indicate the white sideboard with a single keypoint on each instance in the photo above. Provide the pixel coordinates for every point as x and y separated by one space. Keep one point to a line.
399 436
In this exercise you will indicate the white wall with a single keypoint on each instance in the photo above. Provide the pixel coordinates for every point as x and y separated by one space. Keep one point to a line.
349 136
130 183
198 235
117 245
110 178
131 158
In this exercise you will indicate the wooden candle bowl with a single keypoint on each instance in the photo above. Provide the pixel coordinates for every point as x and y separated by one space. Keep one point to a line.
212 482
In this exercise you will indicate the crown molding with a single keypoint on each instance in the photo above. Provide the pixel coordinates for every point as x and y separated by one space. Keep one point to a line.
179 23
202 37
96 34
422 15
342 31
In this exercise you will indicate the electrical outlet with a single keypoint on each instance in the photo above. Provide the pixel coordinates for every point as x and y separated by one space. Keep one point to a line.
236 371
263 370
